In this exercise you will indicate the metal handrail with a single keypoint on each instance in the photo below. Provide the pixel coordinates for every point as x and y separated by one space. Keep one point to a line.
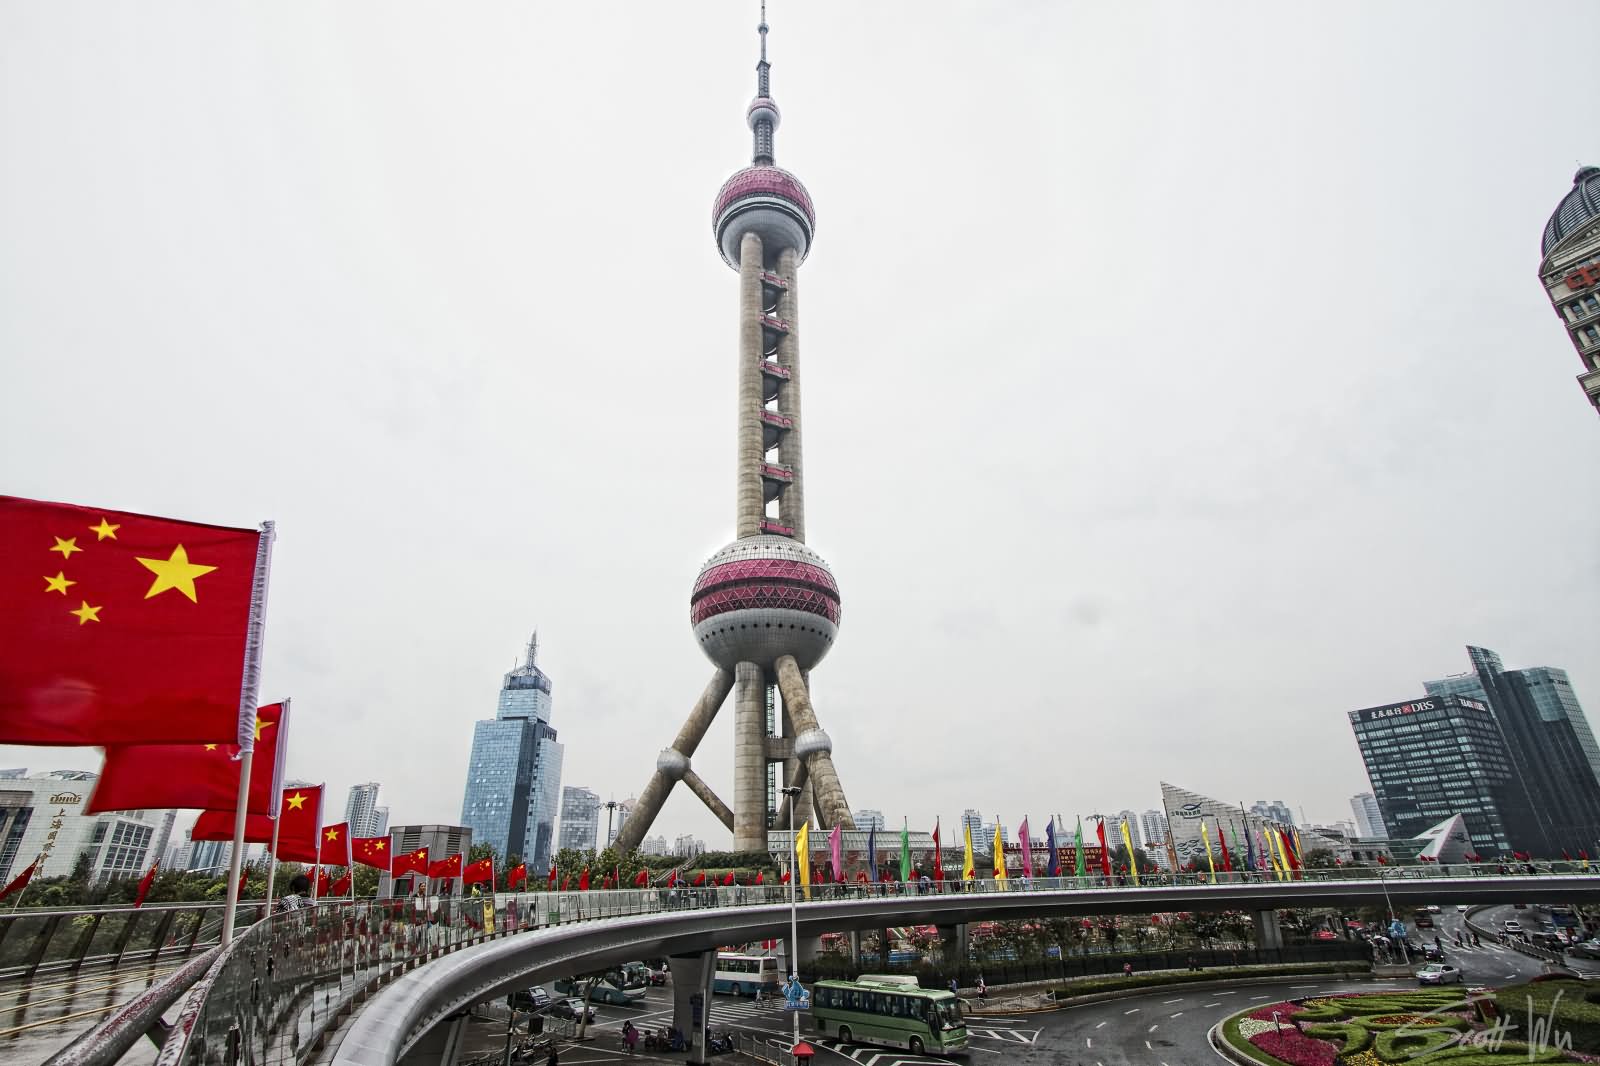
139 1017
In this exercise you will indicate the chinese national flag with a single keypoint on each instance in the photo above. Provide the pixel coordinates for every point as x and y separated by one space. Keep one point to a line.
517 875
335 845
124 628
761 877
784 879
298 820
552 875
340 887
565 881
699 879
478 872
641 879
144 885
728 880
583 880
415 862
20 882
200 776
371 851
450 867
323 884
672 878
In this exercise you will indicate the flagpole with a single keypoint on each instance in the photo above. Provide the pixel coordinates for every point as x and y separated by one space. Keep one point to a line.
272 861
241 811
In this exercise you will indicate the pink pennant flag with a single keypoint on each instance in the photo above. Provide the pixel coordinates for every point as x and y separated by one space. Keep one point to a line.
838 859
1027 849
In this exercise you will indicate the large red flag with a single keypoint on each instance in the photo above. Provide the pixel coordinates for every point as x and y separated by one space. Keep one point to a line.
517 875
412 862
728 880
583 880
201 776
938 856
699 879
1227 860
449 867
1105 852
340 887
124 628
335 845
323 884
371 851
298 821
145 883
672 878
478 872
641 879
20 882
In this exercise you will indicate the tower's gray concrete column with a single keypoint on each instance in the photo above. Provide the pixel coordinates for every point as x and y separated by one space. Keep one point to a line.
792 504
691 978
751 501
1269 934
826 790
749 758
953 942
661 782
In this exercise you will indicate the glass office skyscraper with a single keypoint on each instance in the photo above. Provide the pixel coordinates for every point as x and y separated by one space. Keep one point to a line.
514 773
1551 744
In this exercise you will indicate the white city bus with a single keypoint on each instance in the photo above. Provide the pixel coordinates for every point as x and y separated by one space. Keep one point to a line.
745 975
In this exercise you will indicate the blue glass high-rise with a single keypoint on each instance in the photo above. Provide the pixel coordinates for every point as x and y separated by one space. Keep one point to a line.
514 773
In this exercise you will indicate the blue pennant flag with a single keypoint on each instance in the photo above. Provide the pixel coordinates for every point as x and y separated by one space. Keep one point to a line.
872 853
1055 856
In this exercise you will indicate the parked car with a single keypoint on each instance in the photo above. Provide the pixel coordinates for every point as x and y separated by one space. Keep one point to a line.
535 998
1589 949
1437 973
572 1008
1324 934
658 975
1548 941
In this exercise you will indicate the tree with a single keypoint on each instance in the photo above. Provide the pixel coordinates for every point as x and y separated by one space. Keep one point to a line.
1319 859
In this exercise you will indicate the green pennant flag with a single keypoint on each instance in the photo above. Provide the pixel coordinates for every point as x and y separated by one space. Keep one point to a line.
1077 849
905 850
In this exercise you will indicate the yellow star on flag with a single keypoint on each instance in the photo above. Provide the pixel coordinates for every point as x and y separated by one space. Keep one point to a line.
331 834
261 724
104 529
86 613
176 572
211 747
296 801
66 547
378 846
58 583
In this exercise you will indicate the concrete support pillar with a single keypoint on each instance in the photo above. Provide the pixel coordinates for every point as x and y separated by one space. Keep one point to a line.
883 948
674 762
792 504
1269 934
691 998
828 793
953 942
749 758
439 1046
748 487
855 948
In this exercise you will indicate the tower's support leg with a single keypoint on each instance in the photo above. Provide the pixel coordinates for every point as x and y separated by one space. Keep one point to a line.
674 762
812 745
713 802
953 942
798 780
792 504
794 771
749 758
751 496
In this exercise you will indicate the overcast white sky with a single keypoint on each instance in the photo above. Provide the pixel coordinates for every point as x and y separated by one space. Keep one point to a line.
1178 377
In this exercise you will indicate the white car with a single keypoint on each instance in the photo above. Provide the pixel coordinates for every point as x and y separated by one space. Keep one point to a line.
1433 908
1461 908
1511 925
1437 973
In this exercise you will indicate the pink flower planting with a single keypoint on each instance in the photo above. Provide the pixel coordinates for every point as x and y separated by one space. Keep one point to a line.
1283 1009
1295 1048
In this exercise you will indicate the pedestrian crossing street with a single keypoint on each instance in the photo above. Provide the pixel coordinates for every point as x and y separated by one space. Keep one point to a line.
876 1056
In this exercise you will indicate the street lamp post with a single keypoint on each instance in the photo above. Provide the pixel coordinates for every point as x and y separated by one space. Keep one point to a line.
611 809
1405 956
794 918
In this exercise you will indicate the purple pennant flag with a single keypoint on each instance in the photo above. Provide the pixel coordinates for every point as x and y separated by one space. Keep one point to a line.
838 861
1027 849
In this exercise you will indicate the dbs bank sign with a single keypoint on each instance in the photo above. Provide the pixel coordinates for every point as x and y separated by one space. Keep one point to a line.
1395 710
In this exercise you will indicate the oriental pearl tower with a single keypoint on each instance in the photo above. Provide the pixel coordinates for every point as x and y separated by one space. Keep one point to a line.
765 609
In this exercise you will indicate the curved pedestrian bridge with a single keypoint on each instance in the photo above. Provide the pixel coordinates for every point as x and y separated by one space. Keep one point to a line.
374 982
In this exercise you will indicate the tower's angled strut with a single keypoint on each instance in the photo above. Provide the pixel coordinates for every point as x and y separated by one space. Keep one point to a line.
812 746
673 764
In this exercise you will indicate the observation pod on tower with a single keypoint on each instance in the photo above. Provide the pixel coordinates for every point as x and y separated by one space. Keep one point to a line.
765 608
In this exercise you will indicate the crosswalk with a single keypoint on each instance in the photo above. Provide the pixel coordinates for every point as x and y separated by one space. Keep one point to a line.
877 1056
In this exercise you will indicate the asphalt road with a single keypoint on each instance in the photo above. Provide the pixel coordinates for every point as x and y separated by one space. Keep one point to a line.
1166 1027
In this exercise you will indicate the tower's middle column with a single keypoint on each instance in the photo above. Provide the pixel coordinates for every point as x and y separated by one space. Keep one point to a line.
751 499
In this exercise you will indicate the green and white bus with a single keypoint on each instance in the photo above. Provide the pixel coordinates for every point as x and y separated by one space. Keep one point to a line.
891 1011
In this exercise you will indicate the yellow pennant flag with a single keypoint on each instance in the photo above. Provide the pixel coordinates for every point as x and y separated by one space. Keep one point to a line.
1210 861
1133 863
999 854
802 857
969 871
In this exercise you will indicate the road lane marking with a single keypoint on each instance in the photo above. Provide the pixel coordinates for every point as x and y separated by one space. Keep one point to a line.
990 1050
1203 1006
1302 986
1147 1046
1102 1025
1124 1013
1260 997
1178 1000
1177 1015
1152 1028
1088 1041
1235 993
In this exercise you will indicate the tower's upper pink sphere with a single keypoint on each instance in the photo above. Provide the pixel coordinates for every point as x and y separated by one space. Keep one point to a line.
767 201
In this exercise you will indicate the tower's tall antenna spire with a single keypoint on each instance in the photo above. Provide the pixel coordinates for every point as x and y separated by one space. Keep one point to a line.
763 114
533 647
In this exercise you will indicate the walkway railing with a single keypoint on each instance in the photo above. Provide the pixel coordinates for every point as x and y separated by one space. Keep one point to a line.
273 994
37 942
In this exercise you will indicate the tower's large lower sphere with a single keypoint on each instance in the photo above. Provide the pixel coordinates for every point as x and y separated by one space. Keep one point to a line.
763 597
